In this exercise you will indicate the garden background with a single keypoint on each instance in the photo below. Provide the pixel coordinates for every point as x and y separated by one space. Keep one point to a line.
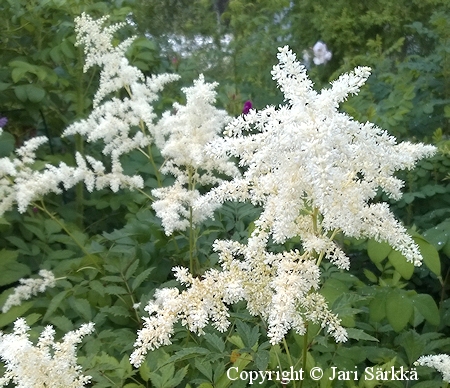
109 250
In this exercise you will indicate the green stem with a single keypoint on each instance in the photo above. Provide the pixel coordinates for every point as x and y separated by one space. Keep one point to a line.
288 354
304 353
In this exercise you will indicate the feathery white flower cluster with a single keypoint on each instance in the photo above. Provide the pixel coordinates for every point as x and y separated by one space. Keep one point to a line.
19 183
182 136
308 158
48 364
122 125
315 172
28 288
440 362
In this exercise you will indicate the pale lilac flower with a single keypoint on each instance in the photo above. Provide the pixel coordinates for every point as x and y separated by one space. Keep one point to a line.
321 53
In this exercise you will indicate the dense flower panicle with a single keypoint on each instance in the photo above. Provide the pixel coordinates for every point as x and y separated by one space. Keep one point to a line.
123 125
28 288
46 364
440 362
314 171
307 155
182 137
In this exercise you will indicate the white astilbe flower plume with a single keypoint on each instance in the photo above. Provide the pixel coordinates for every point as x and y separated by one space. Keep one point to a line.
123 125
28 288
306 157
440 362
46 364
314 171
182 137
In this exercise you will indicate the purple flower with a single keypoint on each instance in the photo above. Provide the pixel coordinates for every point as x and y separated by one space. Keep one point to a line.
3 121
247 106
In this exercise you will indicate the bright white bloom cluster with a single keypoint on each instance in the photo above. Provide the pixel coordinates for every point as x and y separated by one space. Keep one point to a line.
48 364
28 288
440 362
123 125
182 136
321 53
19 183
314 171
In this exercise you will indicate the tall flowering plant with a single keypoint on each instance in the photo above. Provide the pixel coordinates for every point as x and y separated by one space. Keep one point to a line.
315 172
312 171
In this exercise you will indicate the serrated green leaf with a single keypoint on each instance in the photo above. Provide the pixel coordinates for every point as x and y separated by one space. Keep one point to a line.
215 341
204 367
399 309
178 378
115 290
10 270
359 334
82 307
118 311
261 359
140 278
98 287
248 334
112 279
187 353
131 269
54 304
62 323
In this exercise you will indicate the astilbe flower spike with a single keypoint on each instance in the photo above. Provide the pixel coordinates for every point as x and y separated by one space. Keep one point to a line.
315 172
46 364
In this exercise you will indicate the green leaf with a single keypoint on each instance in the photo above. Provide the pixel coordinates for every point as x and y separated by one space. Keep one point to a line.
413 343
378 251
62 323
117 311
54 304
187 353
10 270
115 290
141 278
215 341
405 268
131 269
359 334
7 144
35 93
399 309
261 359
15 312
377 307
82 307
204 367
249 335
426 306
430 255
